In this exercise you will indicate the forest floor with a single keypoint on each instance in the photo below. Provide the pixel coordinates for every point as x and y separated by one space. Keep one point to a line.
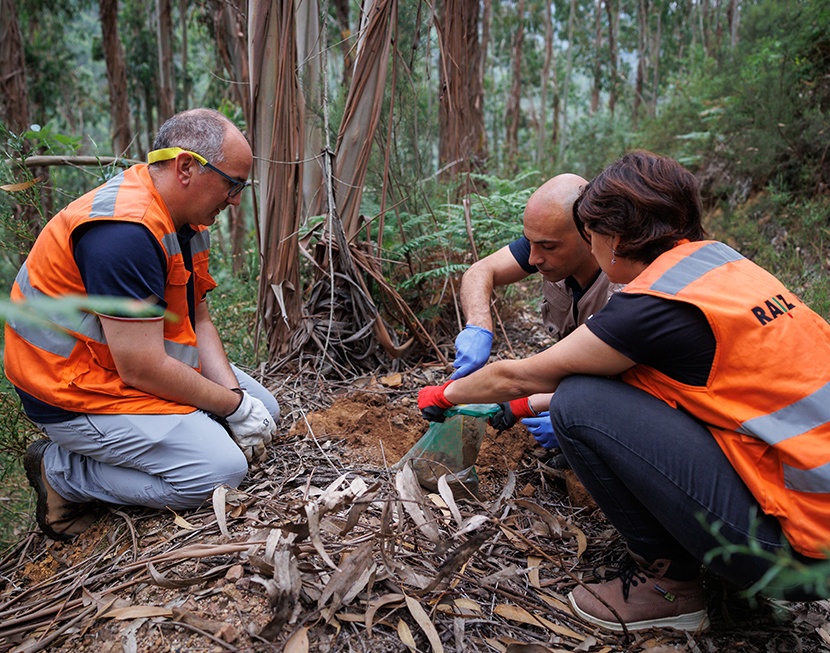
329 547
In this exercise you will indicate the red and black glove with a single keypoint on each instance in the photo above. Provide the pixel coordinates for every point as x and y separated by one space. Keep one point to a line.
433 403
510 413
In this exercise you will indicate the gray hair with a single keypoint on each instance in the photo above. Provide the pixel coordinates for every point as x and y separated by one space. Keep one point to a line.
198 130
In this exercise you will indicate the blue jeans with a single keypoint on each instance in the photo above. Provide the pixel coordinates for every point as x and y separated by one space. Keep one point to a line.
655 471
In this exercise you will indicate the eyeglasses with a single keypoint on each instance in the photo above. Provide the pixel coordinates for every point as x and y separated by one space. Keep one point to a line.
237 185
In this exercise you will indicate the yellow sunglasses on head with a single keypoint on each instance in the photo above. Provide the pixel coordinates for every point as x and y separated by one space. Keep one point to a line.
237 185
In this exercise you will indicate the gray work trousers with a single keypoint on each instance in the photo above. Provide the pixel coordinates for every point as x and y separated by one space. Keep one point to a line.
158 461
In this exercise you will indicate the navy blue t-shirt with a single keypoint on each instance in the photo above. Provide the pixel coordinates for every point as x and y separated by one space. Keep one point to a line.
671 336
520 249
116 259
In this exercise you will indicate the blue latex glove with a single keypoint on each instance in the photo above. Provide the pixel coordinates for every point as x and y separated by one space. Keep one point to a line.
472 349
542 430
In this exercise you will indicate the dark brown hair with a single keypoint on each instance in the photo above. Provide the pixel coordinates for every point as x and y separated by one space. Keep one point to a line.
649 201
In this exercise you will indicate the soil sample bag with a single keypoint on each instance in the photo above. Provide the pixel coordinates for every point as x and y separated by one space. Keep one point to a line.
451 447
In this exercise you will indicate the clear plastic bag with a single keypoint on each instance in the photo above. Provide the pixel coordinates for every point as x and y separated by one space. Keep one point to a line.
451 447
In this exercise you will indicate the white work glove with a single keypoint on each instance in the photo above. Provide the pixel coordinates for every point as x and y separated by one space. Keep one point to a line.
251 426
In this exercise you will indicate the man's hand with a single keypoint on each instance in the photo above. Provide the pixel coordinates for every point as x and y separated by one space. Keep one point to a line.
472 349
542 430
433 403
251 426
510 413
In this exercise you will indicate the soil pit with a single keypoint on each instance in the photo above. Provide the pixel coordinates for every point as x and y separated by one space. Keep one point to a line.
371 429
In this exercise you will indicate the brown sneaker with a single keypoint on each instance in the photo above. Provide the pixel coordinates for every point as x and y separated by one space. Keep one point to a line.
58 518
643 598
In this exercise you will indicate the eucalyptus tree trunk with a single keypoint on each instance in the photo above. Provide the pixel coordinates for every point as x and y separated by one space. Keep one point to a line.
486 26
277 129
642 40
14 90
654 49
116 79
566 85
541 130
460 115
513 104
309 70
733 17
14 105
362 112
597 72
186 90
612 8
341 12
705 36
231 33
230 29
167 90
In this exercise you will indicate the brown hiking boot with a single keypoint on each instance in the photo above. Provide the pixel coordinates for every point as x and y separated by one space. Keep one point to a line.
58 518
643 598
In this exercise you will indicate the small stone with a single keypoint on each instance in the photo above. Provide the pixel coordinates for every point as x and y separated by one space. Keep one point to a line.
235 573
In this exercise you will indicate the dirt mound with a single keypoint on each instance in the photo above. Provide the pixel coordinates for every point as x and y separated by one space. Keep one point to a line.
378 430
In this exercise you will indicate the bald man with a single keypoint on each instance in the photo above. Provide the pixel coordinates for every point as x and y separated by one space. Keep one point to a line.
573 289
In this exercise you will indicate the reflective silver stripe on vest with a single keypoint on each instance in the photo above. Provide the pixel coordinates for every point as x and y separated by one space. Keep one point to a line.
171 244
103 205
815 480
185 353
694 266
200 242
790 421
54 341
61 344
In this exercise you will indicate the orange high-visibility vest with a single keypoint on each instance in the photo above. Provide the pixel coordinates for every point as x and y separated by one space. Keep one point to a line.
72 367
767 399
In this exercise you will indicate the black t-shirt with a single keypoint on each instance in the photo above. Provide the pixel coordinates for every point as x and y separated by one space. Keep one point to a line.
671 336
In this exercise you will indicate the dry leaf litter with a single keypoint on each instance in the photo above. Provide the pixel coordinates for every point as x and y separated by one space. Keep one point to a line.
328 546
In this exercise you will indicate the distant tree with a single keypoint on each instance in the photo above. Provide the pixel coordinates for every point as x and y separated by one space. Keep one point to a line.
14 102
612 8
230 29
138 32
548 66
461 115
596 87
514 99
642 57
167 85
14 90
116 78
346 43
566 84
186 81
